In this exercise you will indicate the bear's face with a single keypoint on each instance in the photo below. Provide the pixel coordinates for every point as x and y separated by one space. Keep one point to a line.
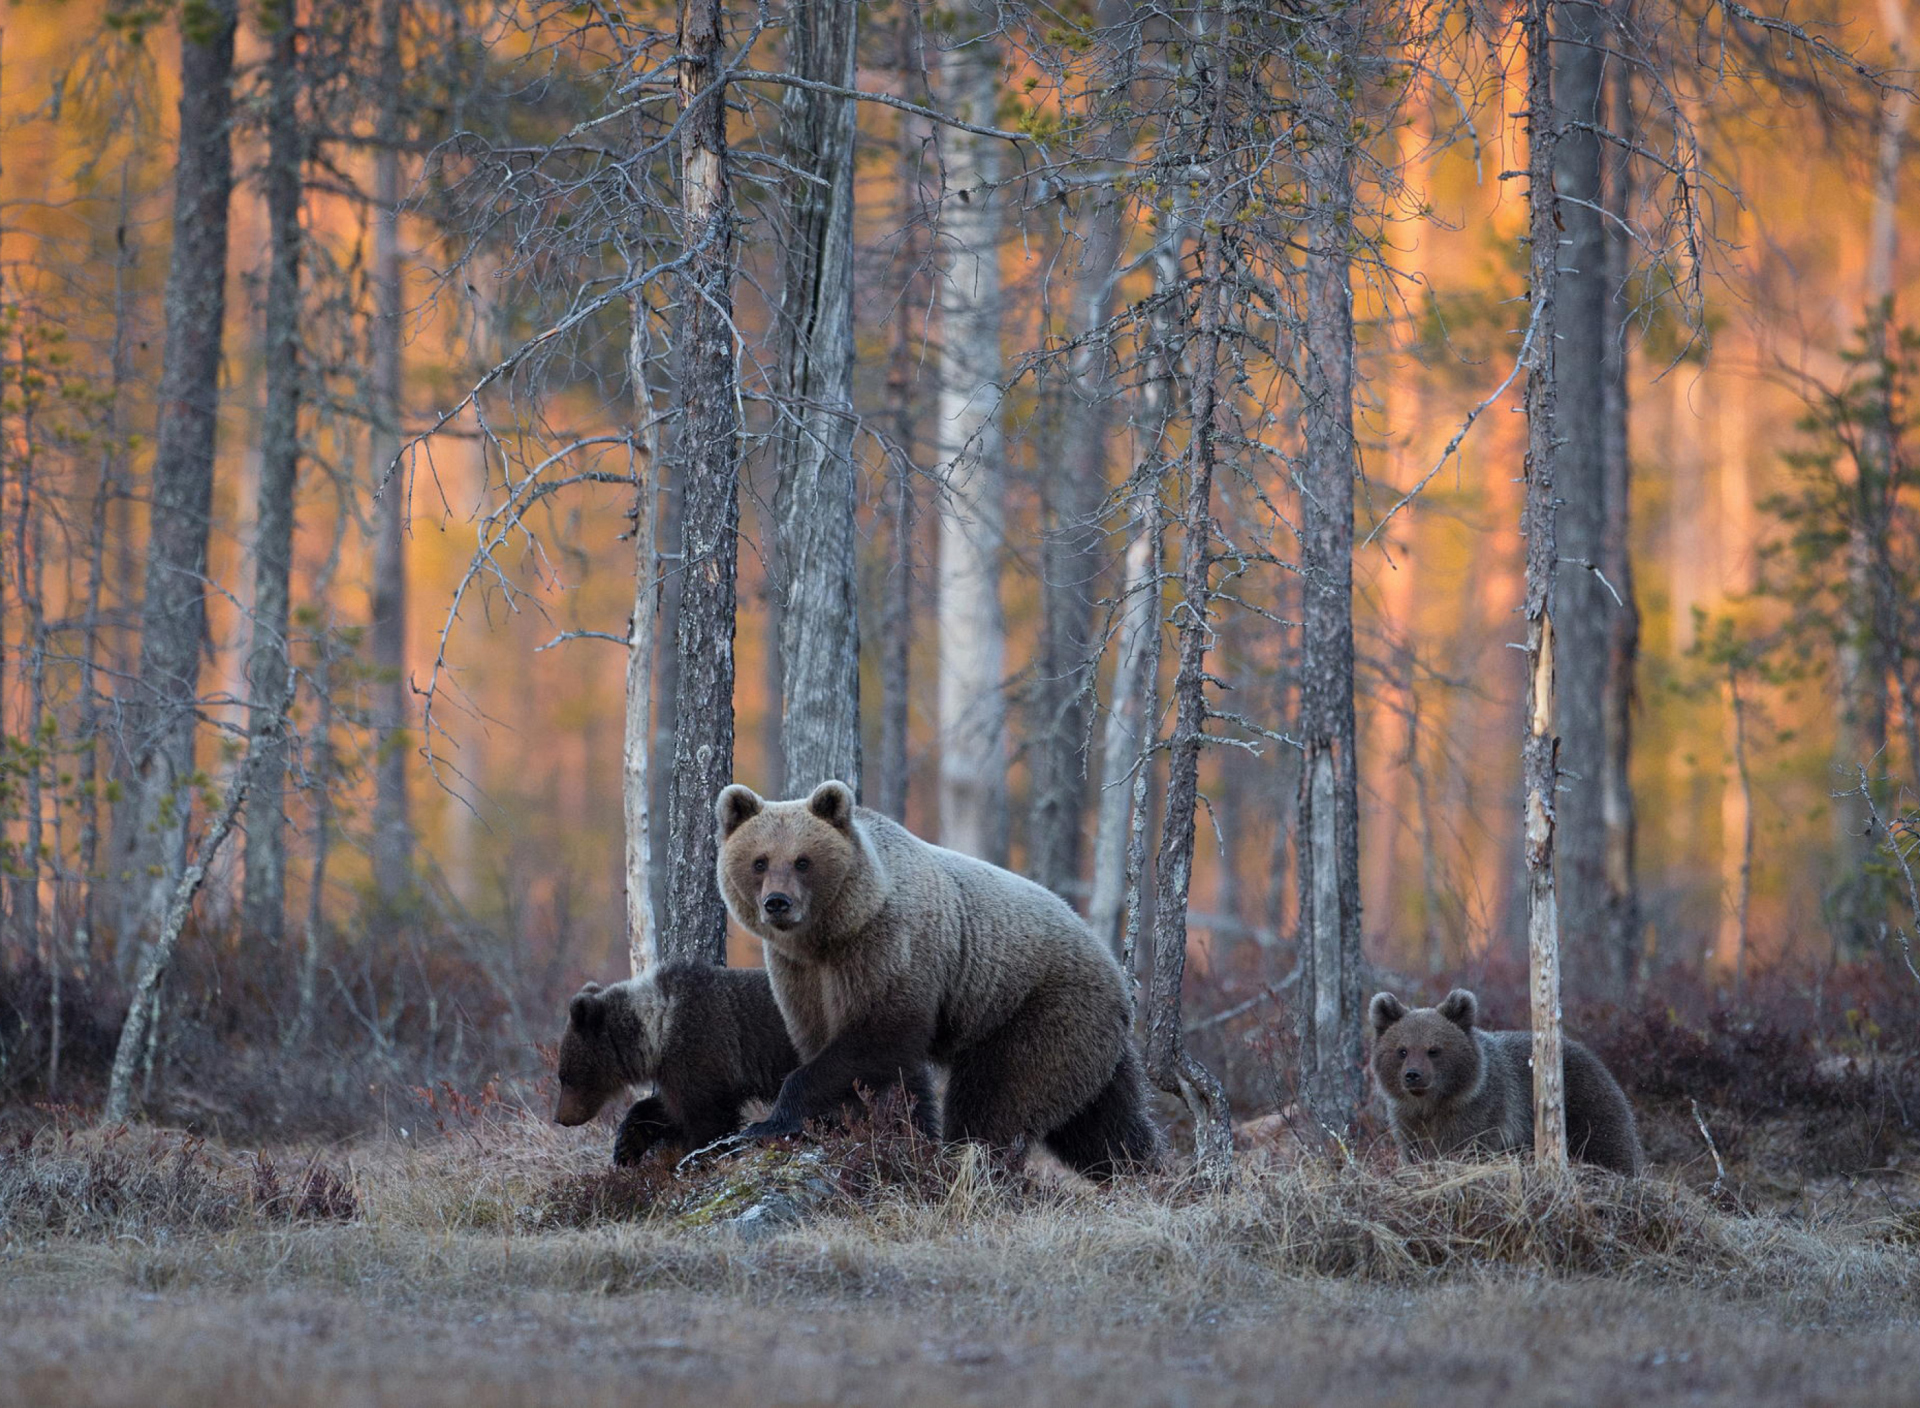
613 1038
1427 1054
783 864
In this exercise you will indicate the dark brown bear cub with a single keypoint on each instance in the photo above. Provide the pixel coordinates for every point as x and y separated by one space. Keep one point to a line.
1452 1088
707 1039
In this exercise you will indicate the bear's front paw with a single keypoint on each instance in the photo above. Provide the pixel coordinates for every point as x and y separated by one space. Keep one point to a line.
774 1126
644 1127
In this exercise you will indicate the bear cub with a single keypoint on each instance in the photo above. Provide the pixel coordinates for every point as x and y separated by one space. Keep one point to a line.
707 1039
1452 1088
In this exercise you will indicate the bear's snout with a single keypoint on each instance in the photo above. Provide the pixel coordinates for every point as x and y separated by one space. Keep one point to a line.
779 909
1416 1081
574 1107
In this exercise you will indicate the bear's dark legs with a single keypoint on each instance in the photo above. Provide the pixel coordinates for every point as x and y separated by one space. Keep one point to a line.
1024 1080
1114 1134
875 1056
646 1125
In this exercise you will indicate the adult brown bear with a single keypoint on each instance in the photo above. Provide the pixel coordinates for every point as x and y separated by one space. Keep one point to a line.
888 953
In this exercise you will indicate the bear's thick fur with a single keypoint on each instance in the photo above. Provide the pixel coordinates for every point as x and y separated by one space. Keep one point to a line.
888 953
1451 1088
707 1039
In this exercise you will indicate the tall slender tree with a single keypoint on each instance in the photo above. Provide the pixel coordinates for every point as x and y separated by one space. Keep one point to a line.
972 457
707 434
814 498
173 617
264 897
1539 760
1328 828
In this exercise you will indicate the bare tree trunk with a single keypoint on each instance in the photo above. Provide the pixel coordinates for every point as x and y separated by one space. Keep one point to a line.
636 758
173 616
1328 830
1135 668
708 436
1171 1066
814 500
321 765
1073 498
137 1032
1621 926
1744 900
1583 604
387 634
1539 760
265 895
972 630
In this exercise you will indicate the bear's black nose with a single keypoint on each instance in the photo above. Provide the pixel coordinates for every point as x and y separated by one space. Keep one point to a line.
1415 1078
776 905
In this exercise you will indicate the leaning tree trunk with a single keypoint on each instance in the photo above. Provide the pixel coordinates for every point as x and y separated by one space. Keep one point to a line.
972 630
264 898
1583 592
1621 928
1539 761
1070 559
1327 833
1170 1065
387 636
173 619
814 499
708 442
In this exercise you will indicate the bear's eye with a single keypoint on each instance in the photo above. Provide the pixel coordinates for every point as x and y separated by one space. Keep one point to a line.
802 864
1433 1051
1403 1053
760 866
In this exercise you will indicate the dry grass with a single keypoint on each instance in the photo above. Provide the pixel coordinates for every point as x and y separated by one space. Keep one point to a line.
501 1265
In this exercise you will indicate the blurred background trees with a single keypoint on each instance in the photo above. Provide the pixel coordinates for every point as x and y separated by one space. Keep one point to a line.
1088 428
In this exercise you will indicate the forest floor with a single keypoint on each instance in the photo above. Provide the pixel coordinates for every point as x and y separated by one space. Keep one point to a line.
497 1262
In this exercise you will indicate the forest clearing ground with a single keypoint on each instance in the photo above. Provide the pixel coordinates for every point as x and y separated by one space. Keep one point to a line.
134 1272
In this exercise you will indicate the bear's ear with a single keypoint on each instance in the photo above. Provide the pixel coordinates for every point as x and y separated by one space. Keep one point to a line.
1461 1008
832 802
737 804
587 1008
1384 1011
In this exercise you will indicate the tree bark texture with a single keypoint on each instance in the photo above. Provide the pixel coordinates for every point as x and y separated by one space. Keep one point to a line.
1588 315
1539 763
708 442
265 894
636 757
1327 832
1073 498
1171 1066
173 620
968 444
387 636
814 498
1123 767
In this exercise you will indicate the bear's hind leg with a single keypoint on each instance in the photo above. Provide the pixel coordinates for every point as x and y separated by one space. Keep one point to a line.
1114 1134
1031 1075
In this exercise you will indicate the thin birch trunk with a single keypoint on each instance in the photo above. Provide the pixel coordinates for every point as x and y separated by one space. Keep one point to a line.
1328 829
139 1033
1744 899
265 894
636 760
814 498
708 436
971 627
1539 761
161 712
387 633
